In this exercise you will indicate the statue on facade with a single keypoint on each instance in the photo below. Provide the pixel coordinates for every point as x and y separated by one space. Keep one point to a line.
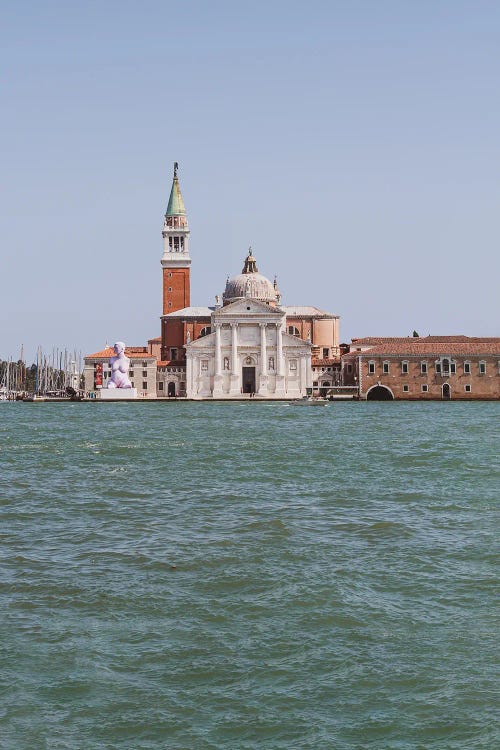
120 365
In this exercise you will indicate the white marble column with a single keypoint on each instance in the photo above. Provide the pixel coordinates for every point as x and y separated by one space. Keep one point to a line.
263 349
309 373
303 375
234 348
279 350
218 367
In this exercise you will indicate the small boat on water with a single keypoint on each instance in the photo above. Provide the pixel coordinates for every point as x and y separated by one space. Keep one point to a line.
309 401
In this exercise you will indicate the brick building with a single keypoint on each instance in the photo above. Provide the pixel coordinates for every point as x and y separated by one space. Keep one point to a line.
424 368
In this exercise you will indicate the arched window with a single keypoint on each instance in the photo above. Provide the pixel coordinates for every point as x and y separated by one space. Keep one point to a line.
293 331
204 331
226 363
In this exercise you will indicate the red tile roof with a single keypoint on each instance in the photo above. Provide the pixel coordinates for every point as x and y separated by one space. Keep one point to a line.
133 352
374 340
421 347
316 362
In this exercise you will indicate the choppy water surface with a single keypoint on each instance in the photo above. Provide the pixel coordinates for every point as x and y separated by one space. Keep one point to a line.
239 576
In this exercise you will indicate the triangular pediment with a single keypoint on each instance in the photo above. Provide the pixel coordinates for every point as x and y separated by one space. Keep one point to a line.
294 342
203 342
249 307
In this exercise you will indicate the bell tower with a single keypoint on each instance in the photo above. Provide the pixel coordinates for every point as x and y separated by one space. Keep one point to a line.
175 262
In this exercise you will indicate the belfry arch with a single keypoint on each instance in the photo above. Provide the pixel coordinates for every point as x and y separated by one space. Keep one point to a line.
379 393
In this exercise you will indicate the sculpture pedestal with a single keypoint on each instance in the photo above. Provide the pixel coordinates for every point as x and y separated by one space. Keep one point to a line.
218 380
280 386
118 394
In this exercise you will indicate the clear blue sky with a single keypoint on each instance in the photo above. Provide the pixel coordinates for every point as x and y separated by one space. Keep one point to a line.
354 145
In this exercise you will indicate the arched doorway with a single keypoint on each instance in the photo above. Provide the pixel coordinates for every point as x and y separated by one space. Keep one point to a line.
446 391
379 393
171 389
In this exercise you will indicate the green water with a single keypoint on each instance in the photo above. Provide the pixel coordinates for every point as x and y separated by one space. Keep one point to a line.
238 576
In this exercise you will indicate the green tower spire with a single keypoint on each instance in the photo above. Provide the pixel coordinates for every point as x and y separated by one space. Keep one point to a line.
175 203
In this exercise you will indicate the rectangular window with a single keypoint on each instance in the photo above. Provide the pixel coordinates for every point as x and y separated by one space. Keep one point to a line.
482 368
371 368
293 364
173 353
425 388
132 384
144 364
423 368
326 352
438 367
160 385
466 368
385 368
467 388
404 368
144 386
204 365
453 368
144 373
406 388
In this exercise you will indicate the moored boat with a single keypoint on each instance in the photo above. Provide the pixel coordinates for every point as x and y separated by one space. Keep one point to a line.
309 401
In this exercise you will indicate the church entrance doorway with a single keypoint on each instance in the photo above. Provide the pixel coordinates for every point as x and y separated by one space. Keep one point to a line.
249 380
171 390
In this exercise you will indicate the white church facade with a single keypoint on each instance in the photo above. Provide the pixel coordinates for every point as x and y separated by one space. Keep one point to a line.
249 352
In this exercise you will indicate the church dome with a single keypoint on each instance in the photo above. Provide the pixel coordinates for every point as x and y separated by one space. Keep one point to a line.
250 284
